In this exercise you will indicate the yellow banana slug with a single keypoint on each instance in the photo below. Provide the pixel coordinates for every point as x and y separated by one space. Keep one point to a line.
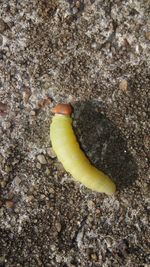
68 151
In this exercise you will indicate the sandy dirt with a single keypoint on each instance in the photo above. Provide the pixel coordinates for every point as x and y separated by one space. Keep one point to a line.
94 54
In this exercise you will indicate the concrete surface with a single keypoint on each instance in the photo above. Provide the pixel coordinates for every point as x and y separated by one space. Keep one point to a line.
96 55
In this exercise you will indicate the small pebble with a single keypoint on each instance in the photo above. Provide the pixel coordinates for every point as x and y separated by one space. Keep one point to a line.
26 95
51 190
59 167
126 43
58 226
3 26
51 152
58 258
146 141
41 159
8 168
29 198
38 165
3 184
91 204
74 10
6 125
94 45
97 211
147 35
32 113
49 206
17 181
47 171
42 196
53 247
90 218
93 257
3 107
78 4
123 85
109 241
31 190
10 194
9 204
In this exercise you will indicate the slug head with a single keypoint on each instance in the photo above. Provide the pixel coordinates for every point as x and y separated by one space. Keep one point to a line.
64 109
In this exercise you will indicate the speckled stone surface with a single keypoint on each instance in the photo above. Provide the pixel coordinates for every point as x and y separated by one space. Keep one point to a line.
96 55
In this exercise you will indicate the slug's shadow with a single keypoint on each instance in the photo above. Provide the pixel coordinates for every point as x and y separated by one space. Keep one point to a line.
104 144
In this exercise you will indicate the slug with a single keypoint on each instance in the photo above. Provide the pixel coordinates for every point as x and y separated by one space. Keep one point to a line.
68 152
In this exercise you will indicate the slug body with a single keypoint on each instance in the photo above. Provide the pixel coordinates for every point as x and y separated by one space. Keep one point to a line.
68 151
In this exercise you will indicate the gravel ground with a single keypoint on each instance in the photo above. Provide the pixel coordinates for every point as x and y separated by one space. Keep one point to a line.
96 55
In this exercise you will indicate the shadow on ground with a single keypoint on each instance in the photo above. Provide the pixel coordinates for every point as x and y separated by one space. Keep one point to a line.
104 143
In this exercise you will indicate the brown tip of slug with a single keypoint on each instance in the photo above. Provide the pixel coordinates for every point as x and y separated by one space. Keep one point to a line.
64 109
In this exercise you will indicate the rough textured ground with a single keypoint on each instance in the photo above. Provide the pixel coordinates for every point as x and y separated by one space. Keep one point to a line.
96 55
